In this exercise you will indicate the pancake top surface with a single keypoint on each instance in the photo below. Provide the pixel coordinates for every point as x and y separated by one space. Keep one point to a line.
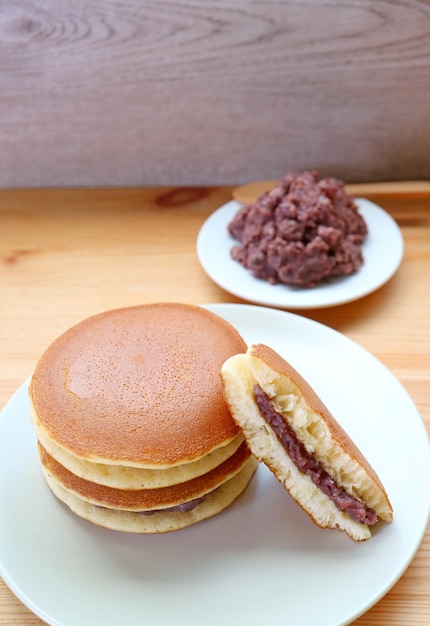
139 385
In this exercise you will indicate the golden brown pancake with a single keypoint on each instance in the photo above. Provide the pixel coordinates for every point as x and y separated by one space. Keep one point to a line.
145 499
159 521
126 477
131 420
138 386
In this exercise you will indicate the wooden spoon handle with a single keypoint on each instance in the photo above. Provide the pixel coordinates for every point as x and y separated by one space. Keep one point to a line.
247 194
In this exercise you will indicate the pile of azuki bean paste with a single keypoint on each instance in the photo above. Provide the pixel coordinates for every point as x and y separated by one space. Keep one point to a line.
302 233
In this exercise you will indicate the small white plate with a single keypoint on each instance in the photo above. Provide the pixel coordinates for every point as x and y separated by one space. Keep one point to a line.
261 561
382 251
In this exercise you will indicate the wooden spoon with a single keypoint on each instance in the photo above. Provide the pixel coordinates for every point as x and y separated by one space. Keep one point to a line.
249 193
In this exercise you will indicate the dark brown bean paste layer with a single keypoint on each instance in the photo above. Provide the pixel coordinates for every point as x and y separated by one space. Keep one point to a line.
309 465
179 508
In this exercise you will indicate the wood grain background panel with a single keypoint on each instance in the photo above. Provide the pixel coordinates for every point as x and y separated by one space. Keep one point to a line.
195 92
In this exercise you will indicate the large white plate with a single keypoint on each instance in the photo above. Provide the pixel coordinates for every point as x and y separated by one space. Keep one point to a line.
261 561
382 251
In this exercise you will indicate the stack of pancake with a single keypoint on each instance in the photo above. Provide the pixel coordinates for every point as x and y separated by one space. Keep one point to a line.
133 431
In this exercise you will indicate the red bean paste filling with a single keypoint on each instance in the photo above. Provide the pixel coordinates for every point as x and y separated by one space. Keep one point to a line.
307 464
302 233
185 507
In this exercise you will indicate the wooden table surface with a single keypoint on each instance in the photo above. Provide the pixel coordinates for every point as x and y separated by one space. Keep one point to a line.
66 254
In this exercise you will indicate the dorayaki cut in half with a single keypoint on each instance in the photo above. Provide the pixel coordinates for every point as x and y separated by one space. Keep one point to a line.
288 427
133 431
